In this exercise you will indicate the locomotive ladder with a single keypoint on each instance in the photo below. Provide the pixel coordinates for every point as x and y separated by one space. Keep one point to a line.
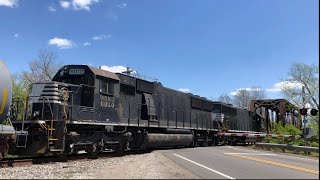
55 131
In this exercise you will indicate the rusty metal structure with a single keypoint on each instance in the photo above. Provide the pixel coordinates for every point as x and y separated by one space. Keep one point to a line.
285 112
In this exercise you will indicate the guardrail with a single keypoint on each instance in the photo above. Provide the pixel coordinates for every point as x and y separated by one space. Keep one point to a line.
288 147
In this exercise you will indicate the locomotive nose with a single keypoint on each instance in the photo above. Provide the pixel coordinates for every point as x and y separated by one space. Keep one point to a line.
5 91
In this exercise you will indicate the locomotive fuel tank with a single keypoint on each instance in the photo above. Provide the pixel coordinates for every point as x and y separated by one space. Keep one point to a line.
158 140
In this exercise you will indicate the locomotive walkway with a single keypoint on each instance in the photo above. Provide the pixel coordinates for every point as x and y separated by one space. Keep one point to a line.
233 162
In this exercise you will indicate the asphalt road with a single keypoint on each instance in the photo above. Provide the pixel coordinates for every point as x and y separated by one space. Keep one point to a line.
234 162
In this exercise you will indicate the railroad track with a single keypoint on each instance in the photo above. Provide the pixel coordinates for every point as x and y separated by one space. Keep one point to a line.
24 161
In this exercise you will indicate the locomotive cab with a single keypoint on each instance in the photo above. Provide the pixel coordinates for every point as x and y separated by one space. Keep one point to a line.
92 96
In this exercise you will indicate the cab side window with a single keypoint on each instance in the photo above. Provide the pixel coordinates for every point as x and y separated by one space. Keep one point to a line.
106 87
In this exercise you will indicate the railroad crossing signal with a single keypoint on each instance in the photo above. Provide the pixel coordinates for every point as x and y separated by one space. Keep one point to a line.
313 112
304 112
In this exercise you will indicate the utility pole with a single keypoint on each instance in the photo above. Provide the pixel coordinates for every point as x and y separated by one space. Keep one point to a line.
303 104
128 71
304 116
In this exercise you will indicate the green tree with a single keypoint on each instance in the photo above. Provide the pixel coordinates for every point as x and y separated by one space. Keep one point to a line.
19 95
302 85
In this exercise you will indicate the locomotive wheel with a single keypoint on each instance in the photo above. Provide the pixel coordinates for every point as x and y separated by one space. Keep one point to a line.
221 141
96 149
205 142
118 148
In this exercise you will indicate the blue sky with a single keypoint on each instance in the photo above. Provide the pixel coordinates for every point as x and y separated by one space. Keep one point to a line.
211 47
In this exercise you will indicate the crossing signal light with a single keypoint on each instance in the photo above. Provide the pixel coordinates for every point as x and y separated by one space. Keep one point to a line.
303 111
313 112
295 112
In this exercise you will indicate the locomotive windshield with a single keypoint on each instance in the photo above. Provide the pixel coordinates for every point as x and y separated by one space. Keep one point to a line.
74 75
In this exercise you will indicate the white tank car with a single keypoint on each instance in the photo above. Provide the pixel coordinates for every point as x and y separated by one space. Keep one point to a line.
7 132
5 91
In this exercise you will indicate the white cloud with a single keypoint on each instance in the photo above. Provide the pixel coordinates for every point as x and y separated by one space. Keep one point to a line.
52 9
86 44
61 43
233 93
247 89
114 69
78 4
65 4
122 5
277 87
83 4
102 37
9 3
16 35
185 90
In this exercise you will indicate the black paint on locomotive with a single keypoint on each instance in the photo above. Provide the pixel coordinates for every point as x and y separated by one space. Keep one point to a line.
237 119
117 111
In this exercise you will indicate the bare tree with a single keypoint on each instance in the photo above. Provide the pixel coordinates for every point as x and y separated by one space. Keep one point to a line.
41 68
257 93
302 85
225 99
242 98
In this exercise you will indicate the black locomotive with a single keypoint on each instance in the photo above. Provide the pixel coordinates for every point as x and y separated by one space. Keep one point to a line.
86 108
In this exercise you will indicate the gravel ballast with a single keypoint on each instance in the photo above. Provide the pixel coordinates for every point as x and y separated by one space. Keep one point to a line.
152 165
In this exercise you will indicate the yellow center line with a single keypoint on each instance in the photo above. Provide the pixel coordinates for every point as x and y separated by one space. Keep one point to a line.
276 163
3 104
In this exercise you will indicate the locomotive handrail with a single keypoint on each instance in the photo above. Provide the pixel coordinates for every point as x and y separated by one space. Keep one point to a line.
44 99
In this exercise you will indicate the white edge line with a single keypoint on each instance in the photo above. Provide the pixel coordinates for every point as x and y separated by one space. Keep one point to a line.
278 154
224 175
252 154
